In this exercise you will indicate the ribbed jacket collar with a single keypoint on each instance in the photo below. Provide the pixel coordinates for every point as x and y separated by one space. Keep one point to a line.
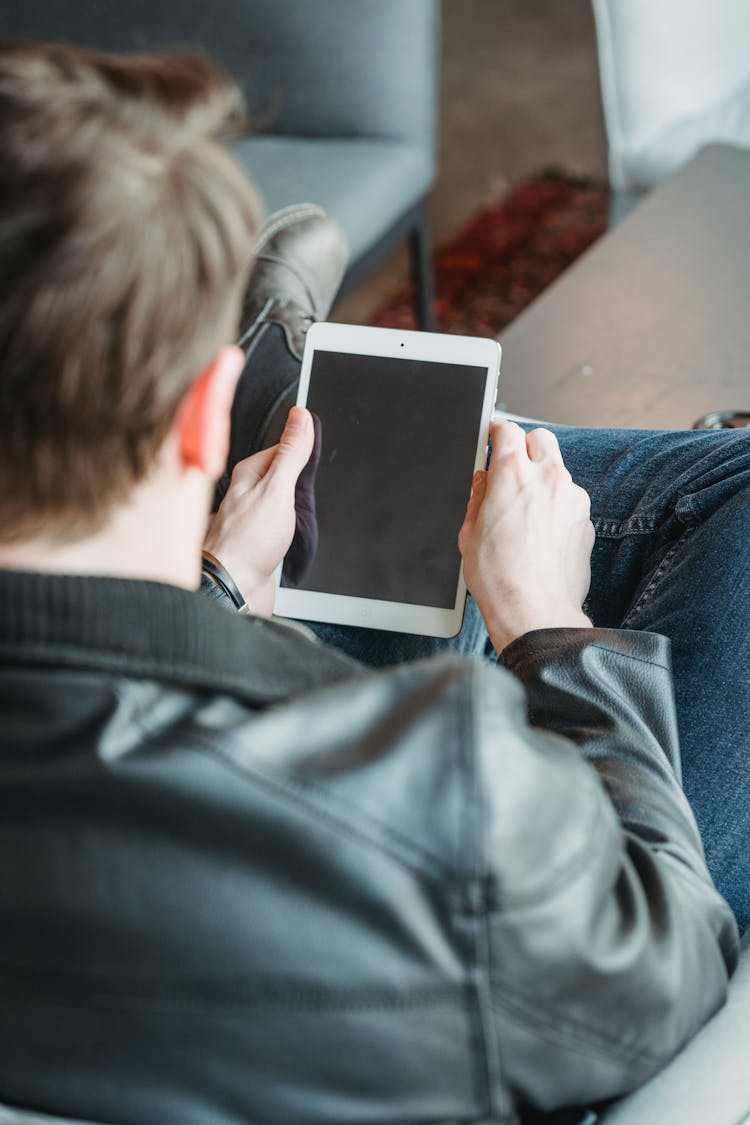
149 630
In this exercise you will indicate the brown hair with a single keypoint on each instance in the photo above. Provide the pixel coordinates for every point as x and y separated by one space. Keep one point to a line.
126 231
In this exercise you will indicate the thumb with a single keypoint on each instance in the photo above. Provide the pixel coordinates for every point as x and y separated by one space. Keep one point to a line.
294 448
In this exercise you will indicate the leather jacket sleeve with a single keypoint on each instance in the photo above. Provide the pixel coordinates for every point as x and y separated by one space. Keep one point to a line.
608 946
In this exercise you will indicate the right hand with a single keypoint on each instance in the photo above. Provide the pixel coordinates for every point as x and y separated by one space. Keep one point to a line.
527 538
255 524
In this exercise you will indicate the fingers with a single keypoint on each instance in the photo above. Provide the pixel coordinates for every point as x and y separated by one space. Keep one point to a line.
583 499
509 457
247 473
508 439
478 489
478 492
515 452
281 463
294 449
539 445
542 445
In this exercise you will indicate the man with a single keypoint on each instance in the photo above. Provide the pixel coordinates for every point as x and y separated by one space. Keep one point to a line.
243 877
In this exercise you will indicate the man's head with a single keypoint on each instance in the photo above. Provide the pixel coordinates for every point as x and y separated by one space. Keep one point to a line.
125 238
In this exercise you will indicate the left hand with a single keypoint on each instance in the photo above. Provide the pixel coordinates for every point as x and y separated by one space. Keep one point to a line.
254 526
527 538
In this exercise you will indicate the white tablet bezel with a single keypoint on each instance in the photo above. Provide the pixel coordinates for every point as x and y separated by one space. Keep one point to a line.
470 351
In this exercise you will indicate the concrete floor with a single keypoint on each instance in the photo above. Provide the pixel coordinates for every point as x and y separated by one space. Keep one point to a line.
519 94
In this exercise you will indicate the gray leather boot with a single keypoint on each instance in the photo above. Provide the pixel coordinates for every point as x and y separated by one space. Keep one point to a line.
301 259
723 420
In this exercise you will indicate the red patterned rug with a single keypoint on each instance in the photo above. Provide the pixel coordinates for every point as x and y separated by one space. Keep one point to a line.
506 255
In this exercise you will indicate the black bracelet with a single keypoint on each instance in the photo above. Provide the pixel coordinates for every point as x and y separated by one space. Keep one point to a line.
213 568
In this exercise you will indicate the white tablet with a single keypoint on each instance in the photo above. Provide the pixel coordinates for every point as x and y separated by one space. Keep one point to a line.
402 423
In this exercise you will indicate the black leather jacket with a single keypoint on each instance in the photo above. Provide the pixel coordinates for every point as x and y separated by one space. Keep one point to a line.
243 879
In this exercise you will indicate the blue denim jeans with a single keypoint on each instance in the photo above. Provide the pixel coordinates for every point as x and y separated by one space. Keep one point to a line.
672 555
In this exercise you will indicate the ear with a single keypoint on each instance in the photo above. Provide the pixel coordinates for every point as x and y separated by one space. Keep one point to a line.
202 423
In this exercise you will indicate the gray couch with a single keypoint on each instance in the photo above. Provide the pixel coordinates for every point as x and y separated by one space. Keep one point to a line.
709 1082
344 95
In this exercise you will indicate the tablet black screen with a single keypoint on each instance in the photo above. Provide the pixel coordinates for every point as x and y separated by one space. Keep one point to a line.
397 441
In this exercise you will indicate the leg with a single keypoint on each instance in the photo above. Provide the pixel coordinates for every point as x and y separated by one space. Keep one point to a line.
672 555
266 391
423 269
300 259
380 649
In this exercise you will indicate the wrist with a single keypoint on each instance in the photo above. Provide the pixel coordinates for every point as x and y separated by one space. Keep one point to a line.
246 577
255 593
502 632
214 569
263 597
